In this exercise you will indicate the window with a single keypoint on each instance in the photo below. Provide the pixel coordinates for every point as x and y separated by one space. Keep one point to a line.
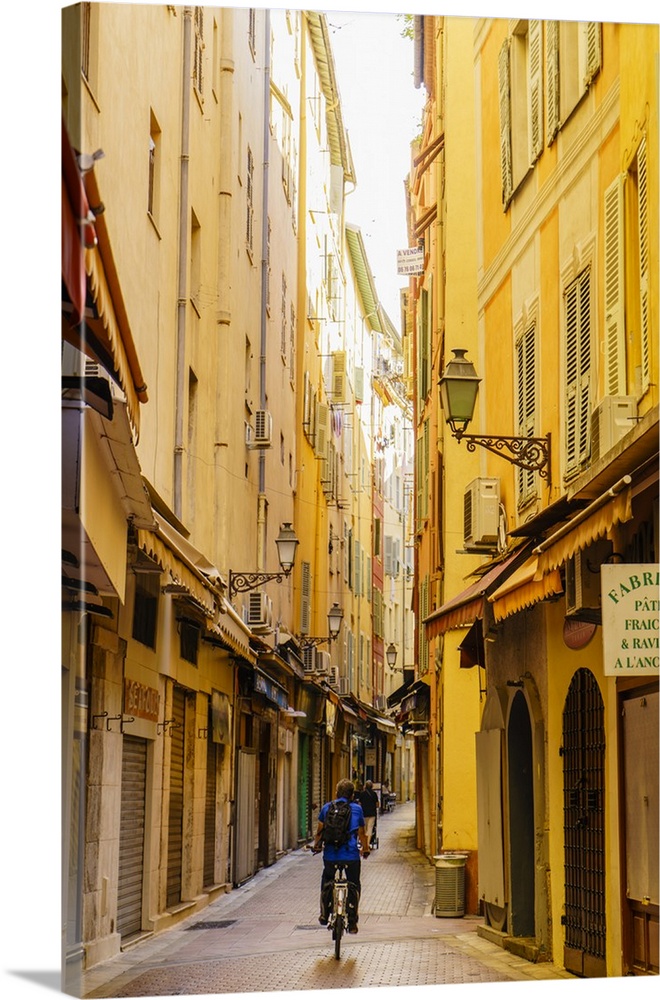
192 440
292 345
640 216
615 338
424 327
189 639
520 72
572 60
578 370
252 31
195 261
526 382
305 598
249 197
198 56
153 187
283 319
145 608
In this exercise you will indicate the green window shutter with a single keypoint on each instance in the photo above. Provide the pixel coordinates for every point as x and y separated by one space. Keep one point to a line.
643 229
424 346
535 48
423 641
552 79
504 73
615 338
427 468
305 598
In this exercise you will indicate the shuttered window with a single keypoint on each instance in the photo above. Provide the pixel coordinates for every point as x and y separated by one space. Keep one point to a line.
526 406
615 340
577 318
175 813
305 598
552 118
504 75
423 612
535 71
643 230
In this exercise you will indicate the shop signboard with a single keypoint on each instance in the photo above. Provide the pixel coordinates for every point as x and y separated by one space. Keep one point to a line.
630 602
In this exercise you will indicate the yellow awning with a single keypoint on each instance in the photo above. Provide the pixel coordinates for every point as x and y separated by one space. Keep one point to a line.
174 559
523 589
594 522
112 340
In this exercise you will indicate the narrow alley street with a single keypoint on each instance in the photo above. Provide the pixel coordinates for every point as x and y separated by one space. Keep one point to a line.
274 916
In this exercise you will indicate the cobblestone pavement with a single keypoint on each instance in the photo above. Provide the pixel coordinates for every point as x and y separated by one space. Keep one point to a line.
273 920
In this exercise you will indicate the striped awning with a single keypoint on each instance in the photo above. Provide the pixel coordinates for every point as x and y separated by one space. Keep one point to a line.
523 589
176 556
469 605
595 521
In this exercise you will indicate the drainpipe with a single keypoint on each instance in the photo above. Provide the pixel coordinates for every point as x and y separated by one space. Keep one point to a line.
180 387
262 503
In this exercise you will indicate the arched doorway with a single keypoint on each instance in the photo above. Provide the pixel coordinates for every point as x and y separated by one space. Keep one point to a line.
521 819
583 756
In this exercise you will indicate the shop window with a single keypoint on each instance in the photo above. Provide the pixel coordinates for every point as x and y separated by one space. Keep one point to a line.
145 608
188 640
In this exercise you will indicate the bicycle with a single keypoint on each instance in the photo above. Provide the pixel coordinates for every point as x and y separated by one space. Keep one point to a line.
338 917
338 920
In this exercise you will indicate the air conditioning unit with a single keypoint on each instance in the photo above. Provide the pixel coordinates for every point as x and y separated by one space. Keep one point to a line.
309 659
481 509
260 610
343 686
582 585
380 702
333 678
322 662
610 421
263 429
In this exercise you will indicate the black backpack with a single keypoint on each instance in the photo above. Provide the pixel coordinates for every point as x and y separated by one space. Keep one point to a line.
337 823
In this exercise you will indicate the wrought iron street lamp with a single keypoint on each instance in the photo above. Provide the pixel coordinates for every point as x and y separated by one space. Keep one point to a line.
459 386
335 616
286 543
391 655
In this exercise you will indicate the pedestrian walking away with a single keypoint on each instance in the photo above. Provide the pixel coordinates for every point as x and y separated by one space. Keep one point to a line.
341 846
368 799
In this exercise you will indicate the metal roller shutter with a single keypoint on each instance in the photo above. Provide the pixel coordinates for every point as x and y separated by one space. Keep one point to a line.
131 835
175 820
210 813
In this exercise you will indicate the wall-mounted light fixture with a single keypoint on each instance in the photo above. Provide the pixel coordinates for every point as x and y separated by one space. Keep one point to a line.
459 386
335 616
286 543
391 655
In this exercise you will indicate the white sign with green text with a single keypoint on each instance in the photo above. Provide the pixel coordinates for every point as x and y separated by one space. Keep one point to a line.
630 601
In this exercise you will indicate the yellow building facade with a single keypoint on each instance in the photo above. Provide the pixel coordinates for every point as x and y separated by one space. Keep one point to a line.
561 328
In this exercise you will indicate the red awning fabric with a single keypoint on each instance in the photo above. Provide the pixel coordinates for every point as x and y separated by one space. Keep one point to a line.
469 605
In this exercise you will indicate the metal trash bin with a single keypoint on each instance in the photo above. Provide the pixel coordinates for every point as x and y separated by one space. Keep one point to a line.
450 884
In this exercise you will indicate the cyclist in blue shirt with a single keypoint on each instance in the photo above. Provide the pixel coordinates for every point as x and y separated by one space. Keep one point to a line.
349 853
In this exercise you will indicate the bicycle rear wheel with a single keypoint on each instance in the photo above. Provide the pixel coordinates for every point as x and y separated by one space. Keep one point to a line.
337 932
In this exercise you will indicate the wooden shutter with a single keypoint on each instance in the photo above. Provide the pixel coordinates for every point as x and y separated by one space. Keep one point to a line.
615 340
504 72
643 228
423 612
526 403
593 42
552 79
321 437
578 369
305 598
535 49
339 376
210 810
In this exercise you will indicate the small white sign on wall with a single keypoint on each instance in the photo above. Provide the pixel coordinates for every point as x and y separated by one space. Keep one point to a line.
630 601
